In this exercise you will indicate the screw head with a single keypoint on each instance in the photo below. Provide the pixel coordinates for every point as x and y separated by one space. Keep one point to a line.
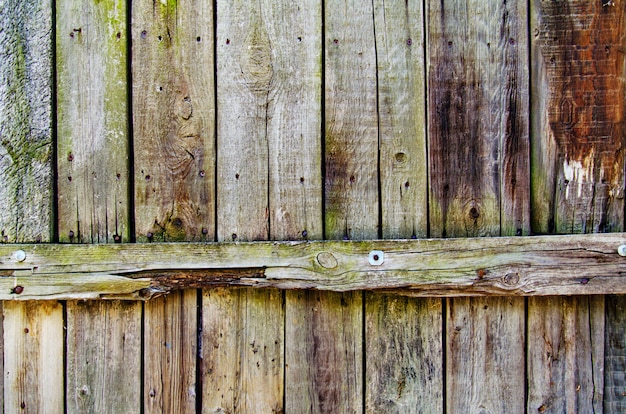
20 255
621 250
376 257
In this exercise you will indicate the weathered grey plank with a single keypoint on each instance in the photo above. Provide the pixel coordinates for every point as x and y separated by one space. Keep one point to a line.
31 333
26 121
478 147
174 134
103 359
615 355
565 354
404 354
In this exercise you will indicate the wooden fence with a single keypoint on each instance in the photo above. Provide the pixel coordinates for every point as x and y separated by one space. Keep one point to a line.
124 125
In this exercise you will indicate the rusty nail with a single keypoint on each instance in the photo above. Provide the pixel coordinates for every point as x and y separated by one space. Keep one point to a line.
409 41
17 289
117 238
234 236
205 231
304 233
20 255
71 234
26 330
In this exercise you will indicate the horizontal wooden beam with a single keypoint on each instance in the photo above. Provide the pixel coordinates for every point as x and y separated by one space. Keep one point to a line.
541 265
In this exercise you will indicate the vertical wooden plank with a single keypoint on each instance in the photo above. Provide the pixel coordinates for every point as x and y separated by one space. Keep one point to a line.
478 148
404 355
92 118
33 358
402 117
174 147
615 355
103 342
32 345
402 335
351 140
578 179
258 172
103 362
578 126
565 354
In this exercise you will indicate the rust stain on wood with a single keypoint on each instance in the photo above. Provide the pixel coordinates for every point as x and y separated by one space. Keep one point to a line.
582 51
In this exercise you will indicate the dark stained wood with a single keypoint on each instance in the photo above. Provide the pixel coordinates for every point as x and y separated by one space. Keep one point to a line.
479 179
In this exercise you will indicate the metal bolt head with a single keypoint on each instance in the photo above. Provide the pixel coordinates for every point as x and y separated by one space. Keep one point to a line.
621 250
376 257
20 255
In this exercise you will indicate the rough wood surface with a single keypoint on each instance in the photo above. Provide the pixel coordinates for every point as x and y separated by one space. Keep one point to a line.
615 355
103 357
479 179
33 357
565 354
26 121
351 122
174 147
578 102
92 122
505 266
404 354
478 129
402 117
173 120
103 339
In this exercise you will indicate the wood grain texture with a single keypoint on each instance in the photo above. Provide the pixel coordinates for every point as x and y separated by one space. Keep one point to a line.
173 120
351 122
578 123
31 333
92 116
479 178
242 351
402 118
404 354
33 357
169 353
566 354
26 121
103 356
478 104
615 355
174 147
326 371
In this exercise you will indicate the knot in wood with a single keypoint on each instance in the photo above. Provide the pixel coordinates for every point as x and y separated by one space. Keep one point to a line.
256 60
326 260
511 279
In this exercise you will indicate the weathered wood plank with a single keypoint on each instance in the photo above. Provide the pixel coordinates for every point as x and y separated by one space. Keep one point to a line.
174 134
478 147
30 333
103 360
402 118
26 121
578 127
173 120
103 341
502 266
565 361
615 355
351 127
578 178
92 115
404 354
256 52
33 358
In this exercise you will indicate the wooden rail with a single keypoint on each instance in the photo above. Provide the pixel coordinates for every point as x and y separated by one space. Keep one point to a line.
530 266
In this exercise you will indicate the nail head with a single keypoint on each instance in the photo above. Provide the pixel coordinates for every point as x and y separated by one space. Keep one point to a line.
376 257
621 250
20 255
